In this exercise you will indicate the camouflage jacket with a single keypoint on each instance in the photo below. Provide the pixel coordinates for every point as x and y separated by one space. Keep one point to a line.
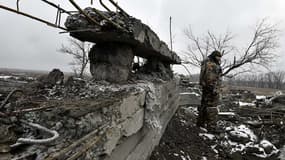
210 75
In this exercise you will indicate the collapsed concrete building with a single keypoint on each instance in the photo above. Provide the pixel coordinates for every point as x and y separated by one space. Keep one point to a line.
112 55
119 116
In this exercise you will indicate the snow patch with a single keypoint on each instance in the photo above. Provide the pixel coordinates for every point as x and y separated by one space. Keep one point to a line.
245 104
190 93
5 77
260 97
185 158
204 158
214 149
243 129
175 154
278 93
207 135
266 144
183 121
193 110
226 114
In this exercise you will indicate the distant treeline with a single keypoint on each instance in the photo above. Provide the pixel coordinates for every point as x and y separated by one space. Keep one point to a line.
274 80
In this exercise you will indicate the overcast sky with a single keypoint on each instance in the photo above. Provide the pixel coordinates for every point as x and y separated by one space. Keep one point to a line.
28 44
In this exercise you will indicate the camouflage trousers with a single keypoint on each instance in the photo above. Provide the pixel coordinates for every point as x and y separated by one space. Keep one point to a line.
208 111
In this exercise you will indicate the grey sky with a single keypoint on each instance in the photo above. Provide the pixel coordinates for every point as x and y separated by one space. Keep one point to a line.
29 44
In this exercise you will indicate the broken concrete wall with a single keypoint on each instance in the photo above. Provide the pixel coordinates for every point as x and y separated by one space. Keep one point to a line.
160 104
105 121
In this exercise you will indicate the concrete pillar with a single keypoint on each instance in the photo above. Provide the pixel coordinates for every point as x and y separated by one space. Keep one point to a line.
111 61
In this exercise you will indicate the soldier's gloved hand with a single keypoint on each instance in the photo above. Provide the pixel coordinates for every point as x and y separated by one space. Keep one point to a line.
211 87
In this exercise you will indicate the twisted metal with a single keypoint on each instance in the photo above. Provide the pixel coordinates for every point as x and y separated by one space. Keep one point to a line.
119 8
101 2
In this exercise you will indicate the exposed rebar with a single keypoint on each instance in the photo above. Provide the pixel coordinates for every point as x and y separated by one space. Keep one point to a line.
107 19
32 17
56 6
85 14
100 14
78 30
118 7
57 16
89 137
101 2
18 5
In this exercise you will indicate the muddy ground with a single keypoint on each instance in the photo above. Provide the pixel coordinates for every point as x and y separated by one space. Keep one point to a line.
181 140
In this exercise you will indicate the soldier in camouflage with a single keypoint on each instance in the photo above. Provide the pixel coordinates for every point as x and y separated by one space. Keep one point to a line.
210 81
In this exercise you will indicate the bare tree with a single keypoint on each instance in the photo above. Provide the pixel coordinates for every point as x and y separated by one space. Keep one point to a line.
279 78
79 50
260 51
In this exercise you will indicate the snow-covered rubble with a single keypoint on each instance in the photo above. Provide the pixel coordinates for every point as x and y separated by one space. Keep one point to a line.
5 77
207 136
191 109
17 78
190 93
260 97
241 143
241 104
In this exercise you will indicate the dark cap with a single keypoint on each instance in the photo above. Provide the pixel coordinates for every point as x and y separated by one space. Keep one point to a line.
216 54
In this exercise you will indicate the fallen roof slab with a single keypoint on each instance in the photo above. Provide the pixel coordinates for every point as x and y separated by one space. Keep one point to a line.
144 41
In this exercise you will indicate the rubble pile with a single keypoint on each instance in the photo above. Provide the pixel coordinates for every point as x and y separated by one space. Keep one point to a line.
241 143
86 119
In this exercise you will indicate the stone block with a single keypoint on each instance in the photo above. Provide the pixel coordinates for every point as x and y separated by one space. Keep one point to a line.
131 105
109 72
133 124
111 62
